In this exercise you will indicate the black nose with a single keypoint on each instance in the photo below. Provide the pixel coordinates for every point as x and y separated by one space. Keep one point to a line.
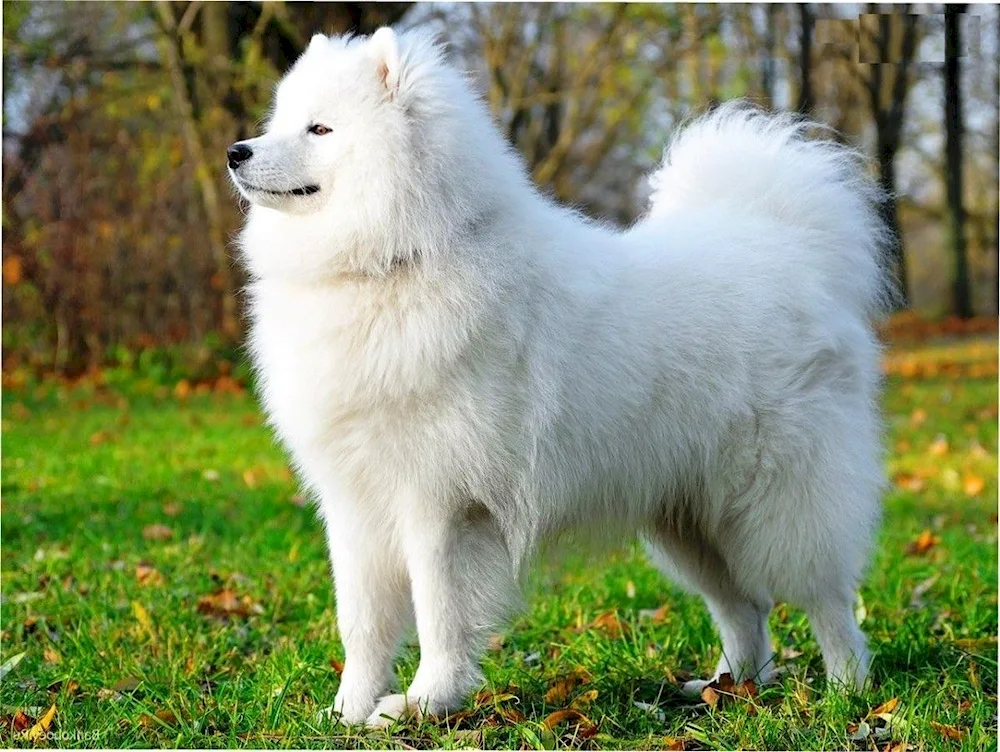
238 154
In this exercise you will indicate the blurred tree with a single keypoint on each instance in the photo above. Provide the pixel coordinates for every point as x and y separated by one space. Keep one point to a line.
887 47
953 126
806 21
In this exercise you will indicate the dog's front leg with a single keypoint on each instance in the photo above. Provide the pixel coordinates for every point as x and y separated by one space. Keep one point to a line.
373 606
462 581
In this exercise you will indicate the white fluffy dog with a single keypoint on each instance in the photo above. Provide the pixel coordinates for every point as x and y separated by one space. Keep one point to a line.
462 369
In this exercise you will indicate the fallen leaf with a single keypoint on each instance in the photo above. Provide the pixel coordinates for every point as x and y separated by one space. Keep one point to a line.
585 698
673 743
225 603
947 731
560 690
973 485
495 643
172 508
37 731
157 532
939 447
566 714
21 721
918 417
148 575
51 655
710 696
10 663
609 623
886 707
99 437
655 615
158 719
183 389
923 543
127 685
142 616
337 666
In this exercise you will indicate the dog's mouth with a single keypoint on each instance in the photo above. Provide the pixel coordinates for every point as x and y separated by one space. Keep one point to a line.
305 190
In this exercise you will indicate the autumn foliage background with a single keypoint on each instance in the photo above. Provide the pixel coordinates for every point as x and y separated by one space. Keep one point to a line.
118 219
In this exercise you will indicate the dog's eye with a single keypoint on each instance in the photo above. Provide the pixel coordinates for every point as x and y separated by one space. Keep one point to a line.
319 130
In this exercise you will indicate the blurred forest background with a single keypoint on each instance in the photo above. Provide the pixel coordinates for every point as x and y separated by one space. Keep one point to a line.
118 218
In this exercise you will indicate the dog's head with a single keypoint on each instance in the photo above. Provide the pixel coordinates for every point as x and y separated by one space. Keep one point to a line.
376 145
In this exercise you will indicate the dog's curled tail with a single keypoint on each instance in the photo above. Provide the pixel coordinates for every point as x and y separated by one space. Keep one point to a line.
751 161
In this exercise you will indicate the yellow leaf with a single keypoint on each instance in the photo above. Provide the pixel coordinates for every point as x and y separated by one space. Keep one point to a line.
37 731
51 655
973 485
142 616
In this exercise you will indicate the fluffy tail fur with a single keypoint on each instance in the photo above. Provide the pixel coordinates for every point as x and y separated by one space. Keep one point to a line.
749 161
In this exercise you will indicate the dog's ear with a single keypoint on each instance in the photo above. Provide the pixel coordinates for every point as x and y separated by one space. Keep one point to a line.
387 61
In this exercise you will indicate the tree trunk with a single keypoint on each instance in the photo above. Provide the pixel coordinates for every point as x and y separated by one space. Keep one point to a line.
805 104
890 215
961 295
202 170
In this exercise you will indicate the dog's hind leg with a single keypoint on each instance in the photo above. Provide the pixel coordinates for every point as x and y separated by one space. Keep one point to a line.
695 564
463 585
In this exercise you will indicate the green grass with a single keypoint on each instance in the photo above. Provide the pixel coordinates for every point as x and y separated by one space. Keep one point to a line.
85 471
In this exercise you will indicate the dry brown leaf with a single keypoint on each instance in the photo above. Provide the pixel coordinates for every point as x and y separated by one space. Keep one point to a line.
225 603
609 623
172 508
585 698
562 687
918 417
157 532
21 721
159 718
51 655
923 543
655 615
495 643
250 478
886 707
337 666
148 575
183 389
562 716
710 696
947 731
673 743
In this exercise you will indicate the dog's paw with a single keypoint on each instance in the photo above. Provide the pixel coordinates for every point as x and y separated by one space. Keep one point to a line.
694 687
393 708
346 710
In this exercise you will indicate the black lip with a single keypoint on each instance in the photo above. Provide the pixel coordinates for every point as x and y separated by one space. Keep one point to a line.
306 190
